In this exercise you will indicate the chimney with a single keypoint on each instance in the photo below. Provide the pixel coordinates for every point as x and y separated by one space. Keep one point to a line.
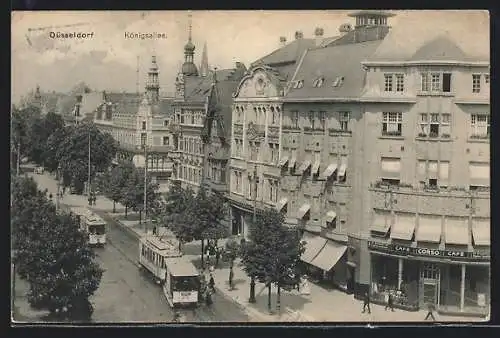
318 36
298 35
282 41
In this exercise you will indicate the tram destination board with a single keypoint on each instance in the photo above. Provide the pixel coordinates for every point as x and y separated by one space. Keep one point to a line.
403 250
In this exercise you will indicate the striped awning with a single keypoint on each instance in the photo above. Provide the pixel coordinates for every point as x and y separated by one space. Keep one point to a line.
329 170
481 231
282 202
342 169
292 162
304 166
315 167
283 161
330 215
303 210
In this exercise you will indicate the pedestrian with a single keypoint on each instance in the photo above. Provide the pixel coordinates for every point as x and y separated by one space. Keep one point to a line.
231 276
430 312
211 282
390 303
90 200
64 189
217 257
208 298
366 303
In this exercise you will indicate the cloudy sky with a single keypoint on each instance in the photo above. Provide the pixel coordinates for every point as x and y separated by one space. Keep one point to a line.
108 61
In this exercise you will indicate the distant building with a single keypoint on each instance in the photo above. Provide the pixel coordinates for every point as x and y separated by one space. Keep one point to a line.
196 95
140 124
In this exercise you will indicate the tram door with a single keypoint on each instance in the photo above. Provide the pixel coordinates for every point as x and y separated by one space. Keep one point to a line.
430 276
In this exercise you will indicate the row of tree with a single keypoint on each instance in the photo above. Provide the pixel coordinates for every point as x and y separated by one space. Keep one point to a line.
51 253
270 256
48 143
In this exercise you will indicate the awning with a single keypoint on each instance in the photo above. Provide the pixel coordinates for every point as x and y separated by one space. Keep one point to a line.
313 245
315 168
303 210
404 227
330 216
304 166
429 229
481 231
282 202
291 163
342 170
329 170
456 231
283 161
329 256
381 222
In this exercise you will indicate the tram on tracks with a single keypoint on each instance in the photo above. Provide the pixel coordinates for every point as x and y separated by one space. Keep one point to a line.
92 224
179 278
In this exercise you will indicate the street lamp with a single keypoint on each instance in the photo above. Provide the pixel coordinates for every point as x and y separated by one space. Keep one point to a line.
254 220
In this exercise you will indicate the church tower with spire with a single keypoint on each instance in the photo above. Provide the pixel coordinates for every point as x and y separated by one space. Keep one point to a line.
153 82
204 61
38 97
189 68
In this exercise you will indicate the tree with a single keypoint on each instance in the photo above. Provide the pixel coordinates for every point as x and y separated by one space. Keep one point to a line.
178 213
72 153
51 254
114 181
209 211
273 252
133 193
233 249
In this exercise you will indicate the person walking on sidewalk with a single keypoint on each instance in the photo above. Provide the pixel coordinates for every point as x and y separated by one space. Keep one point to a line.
217 257
430 311
390 303
366 303
231 276
211 282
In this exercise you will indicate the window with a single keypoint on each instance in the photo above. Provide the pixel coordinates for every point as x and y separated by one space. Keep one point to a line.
182 117
388 82
435 82
487 78
143 125
322 118
166 140
144 137
480 126
273 153
400 82
438 126
165 123
311 119
433 173
295 119
344 120
390 168
339 81
254 150
476 83
392 124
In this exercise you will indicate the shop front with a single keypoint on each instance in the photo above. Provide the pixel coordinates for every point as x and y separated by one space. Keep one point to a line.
325 261
454 281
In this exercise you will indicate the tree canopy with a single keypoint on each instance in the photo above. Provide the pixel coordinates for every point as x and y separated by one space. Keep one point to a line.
51 253
273 252
114 181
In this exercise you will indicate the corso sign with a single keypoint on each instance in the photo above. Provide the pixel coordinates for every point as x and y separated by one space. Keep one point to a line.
424 252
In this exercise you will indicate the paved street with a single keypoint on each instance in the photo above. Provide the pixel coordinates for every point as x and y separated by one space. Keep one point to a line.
128 295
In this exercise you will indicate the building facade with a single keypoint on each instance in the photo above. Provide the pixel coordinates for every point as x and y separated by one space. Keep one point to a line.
140 124
382 162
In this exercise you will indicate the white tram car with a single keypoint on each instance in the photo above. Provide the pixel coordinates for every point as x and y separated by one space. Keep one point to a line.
182 282
92 224
153 252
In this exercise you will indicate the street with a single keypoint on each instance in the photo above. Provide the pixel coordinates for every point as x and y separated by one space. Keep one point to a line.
128 295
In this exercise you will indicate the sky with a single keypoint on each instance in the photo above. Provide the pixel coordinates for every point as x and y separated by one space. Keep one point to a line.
109 61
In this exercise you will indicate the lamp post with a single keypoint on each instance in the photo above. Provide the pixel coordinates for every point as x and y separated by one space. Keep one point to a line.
145 203
254 220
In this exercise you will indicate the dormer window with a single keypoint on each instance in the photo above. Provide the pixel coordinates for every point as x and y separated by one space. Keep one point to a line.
338 81
318 82
300 84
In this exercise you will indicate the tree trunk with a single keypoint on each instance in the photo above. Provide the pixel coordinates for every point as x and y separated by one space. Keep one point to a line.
269 297
114 207
140 216
126 211
180 245
278 299
202 253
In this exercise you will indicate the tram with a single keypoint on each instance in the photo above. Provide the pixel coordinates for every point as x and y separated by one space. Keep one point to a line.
153 252
182 282
92 224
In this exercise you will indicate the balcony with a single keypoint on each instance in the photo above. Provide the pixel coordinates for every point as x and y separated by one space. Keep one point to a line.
221 187
160 149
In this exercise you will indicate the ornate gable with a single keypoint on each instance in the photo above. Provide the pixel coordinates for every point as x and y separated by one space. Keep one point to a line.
260 83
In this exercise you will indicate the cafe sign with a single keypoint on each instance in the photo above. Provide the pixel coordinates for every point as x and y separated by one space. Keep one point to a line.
403 250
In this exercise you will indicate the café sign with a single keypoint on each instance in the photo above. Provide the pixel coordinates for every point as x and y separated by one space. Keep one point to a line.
403 250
